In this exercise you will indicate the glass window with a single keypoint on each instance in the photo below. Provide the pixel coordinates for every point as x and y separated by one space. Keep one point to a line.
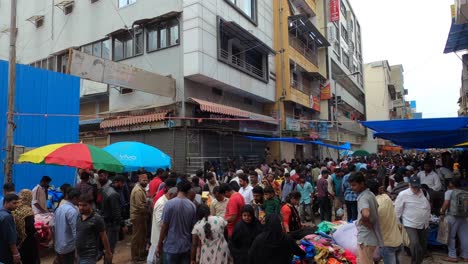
162 37
139 43
174 34
106 49
152 40
128 48
118 50
97 49
88 49
123 3
343 9
247 7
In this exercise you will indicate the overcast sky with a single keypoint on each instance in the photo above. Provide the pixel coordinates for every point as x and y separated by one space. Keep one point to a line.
413 33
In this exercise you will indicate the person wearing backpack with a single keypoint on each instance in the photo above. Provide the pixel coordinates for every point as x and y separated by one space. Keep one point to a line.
456 208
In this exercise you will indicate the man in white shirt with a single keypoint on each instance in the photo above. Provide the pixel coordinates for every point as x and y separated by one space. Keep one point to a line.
39 202
414 209
157 223
429 177
245 188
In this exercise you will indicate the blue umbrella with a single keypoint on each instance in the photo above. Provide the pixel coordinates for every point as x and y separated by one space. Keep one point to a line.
136 155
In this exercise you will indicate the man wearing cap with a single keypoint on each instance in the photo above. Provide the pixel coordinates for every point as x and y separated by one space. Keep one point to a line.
414 209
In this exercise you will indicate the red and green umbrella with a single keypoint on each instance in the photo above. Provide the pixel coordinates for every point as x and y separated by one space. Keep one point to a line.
75 155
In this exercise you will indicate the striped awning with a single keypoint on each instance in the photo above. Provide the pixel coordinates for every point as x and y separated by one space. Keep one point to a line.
133 120
207 106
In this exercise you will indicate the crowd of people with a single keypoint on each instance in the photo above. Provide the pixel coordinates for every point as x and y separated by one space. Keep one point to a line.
245 214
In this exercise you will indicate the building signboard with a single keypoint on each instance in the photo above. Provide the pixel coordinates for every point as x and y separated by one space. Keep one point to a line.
325 91
293 124
334 10
119 74
315 103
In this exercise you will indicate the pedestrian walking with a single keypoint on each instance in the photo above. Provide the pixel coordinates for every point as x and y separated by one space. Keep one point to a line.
219 204
157 223
244 234
112 212
245 189
8 187
306 190
178 219
208 233
234 206
324 197
65 228
414 209
455 209
350 197
8 240
138 217
369 235
26 232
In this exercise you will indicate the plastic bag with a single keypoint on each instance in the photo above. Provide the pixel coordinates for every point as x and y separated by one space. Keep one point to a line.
346 237
443 232
326 227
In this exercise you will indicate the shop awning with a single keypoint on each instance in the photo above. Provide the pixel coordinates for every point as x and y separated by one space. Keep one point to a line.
346 146
133 120
422 133
211 107
457 38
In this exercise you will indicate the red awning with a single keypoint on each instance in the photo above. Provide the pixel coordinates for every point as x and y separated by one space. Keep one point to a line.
133 120
206 106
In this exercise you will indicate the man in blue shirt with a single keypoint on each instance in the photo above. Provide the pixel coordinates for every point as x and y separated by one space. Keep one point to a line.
8 238
178 219
8 187
306 190
350 197
65 228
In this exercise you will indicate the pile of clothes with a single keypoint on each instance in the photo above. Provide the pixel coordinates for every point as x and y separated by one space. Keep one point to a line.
322 248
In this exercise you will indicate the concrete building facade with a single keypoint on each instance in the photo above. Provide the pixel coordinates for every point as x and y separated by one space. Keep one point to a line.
346 75
219 52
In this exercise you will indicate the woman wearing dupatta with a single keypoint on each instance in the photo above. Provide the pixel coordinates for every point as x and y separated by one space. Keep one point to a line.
24 219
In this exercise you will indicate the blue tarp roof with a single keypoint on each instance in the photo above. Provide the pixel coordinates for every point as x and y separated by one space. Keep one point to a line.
346 146
422 133
457 38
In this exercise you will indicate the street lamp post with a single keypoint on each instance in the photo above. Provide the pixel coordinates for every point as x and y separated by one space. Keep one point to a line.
336 109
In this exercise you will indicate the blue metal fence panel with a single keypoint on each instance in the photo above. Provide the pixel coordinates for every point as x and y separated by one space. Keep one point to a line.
47 104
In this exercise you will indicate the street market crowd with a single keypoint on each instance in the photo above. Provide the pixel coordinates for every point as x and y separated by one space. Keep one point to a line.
276 212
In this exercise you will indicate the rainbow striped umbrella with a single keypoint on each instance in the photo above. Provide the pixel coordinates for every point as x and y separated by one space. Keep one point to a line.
75 155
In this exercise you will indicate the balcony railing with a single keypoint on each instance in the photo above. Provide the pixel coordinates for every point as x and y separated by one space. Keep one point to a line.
246 67
301 47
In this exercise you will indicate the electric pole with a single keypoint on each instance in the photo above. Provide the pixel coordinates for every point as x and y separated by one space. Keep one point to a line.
11 95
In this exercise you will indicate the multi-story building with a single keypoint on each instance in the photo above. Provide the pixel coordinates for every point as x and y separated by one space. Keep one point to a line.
458 41
345 74
219 53
385 98
301 69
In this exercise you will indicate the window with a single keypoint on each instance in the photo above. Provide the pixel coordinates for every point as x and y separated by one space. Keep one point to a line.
123 3
128 44
162 35
248 101
62 62
343 9
125 90
345 59
250 56
248 8
99 49
344 33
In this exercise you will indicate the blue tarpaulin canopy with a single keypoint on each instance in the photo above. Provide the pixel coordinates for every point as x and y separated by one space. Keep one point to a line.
422 133
346 146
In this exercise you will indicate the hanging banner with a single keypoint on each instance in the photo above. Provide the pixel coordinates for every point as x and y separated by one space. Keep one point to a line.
325 91
315 103
334 10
